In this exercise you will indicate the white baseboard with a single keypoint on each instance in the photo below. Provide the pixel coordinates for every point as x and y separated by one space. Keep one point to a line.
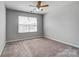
24 39
68 43
2 48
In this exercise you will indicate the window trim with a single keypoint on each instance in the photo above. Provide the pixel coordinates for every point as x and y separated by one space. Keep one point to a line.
28 31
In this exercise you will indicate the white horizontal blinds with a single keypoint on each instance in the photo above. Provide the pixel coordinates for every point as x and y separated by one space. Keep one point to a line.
32 24
27 24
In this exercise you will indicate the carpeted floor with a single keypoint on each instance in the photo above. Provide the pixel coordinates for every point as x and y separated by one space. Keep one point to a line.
40 47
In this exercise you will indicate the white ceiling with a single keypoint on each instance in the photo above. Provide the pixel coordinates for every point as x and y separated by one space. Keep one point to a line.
24 5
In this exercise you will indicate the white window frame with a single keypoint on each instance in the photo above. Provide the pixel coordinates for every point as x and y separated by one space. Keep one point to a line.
29 23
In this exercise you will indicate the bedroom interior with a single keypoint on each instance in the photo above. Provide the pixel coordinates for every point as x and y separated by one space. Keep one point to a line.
39 29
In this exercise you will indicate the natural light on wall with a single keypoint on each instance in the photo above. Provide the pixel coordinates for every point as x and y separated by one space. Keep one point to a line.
27 24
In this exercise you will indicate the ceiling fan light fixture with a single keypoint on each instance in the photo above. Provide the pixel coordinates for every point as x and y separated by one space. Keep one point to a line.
37 10
39 7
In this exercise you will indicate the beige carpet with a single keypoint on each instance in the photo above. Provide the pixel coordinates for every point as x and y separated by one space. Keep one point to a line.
40 47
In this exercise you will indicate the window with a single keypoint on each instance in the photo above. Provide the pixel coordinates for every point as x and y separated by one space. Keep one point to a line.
27 24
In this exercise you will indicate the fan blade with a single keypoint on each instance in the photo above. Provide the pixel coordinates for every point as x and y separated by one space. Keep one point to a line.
44 6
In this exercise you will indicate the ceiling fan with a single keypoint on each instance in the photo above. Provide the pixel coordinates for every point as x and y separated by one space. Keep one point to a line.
39 5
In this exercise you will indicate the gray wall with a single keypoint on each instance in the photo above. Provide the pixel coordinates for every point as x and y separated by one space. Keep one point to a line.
62 23
12 26
2 26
